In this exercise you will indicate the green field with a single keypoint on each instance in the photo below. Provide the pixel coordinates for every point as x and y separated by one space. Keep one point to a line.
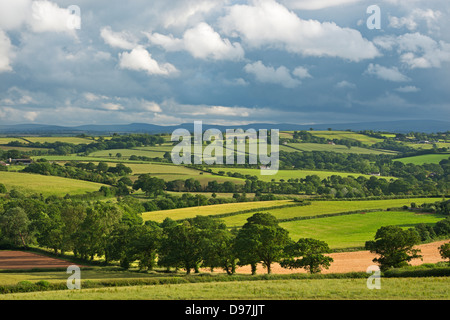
73 140
291 174
346 135
184 213
304 289
427 146
46 185
427 158
354 230
317 208
292 147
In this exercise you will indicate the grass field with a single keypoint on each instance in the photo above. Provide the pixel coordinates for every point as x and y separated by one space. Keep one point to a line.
46 185
427 158
346 135
184 213
292 147
73 140
291 174
304 289
317 208
354 230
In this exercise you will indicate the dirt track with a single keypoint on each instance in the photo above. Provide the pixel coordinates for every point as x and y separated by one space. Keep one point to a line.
358 261
19 260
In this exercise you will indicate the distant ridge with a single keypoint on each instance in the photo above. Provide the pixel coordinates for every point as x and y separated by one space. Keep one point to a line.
401 126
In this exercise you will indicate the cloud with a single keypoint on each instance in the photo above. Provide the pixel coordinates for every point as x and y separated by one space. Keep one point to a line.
112 106
411 22
120 40
264 74
49 17
14 13
201 42
316 4
389 74
301 73
5 53
139 59
268 24
345 84
417 50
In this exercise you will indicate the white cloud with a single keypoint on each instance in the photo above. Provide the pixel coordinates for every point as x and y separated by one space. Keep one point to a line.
411 21
112 106
151 106
201 42
417 50
345 84
13 13
5 53
267 23
120 40
316 4
389 74
47 16
301 73
264 74
139 59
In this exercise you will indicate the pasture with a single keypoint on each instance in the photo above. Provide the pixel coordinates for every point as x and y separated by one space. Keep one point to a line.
46 185
346 135
354 230
292 147
279 289
426 158
291 174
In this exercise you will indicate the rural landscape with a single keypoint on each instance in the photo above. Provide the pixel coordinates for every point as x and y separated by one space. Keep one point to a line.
140 227
225 159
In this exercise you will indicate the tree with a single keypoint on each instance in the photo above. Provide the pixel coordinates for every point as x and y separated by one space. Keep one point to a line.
261 239
180 247
394 246
14 226
150 185
308 254
444 250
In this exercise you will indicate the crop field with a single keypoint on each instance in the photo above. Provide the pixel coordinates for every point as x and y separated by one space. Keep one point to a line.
7 140
291 174
317 208
346 135
46 185
354 230
427 146
184 213
427 158
292 147
73 140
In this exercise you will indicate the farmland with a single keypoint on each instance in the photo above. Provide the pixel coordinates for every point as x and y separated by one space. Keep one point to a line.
46 185
342 212
428 158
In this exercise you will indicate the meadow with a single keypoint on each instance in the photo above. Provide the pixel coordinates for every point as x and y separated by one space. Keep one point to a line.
219 209
349 231
346 135
427 158
290 174
292 147
290 289
46 185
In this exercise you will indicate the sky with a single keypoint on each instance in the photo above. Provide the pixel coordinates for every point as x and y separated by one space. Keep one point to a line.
223 62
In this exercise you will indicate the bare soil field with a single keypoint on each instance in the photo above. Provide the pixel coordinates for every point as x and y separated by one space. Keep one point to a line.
357 261
20 260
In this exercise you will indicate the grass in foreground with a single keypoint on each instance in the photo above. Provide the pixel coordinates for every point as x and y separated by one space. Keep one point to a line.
307 289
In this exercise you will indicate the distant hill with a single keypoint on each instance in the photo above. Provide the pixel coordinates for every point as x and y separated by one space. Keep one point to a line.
403 126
